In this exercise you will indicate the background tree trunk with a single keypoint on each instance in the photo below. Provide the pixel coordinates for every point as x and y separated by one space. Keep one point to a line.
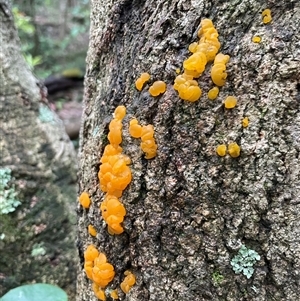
189 210
37 239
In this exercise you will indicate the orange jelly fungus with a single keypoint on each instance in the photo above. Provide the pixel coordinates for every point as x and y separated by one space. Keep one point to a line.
91 253
187 87
256 39
113 212
98 270
99 293
234 150
202 52
148 145
218 70
221 150
213 93
146 133
135 129
195 64
230 102
128 282
144 77
209 43
114 294
92 230
114 174
245 122
84 200
157 88
266 15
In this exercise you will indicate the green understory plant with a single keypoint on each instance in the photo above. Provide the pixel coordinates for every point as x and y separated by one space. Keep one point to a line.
244 261
36 292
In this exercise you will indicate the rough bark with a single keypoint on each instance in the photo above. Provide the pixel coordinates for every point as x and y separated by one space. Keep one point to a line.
188 210
37 239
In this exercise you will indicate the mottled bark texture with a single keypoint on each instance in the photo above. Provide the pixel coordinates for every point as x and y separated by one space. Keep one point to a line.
37 239
188 210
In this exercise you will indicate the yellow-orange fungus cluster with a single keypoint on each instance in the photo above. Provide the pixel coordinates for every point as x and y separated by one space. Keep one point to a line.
203 51
256 39
128 282
84 200
209 43
114 174
230 102
98 270
245 122
266 15
233 150
92 230
187 87
139 83
146 133
213 93
157 88
113 212
218 70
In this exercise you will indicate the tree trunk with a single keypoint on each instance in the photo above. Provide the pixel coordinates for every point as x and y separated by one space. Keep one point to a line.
189 211
37 177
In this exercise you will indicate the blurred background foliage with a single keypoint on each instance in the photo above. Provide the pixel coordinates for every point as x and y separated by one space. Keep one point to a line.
53 33
54 38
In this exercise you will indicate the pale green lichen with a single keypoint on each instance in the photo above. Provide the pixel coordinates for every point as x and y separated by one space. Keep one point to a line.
243 262
8 200
46 115
38 250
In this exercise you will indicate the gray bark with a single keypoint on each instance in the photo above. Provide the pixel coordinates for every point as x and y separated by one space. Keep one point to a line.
37 239
188 210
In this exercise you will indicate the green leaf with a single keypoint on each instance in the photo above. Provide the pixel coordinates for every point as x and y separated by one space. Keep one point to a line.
36 292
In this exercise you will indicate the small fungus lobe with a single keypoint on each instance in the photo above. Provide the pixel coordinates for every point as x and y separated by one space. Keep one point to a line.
92 230
144 77
256 39
218 70
99 293
234 150
221 150
128 282
266 15
245 122
135 129
213 93
84 200
230 102
114 294
157 88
